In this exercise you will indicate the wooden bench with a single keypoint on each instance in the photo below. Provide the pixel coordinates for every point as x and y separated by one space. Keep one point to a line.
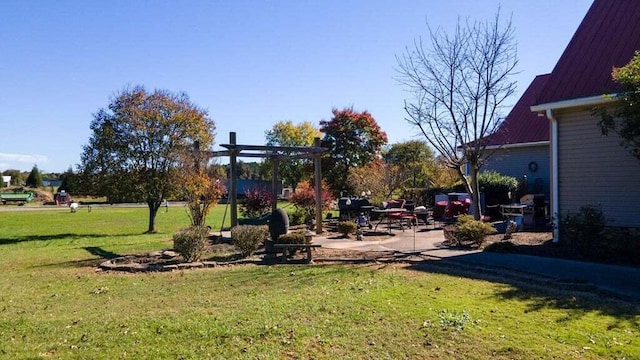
286 247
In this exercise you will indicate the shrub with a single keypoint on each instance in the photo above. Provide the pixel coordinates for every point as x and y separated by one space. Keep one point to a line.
583 229
622 245
304 199
256 202
467 230
191 242
249 238
496 187
346 227
473 231
297 217
463 219
292 238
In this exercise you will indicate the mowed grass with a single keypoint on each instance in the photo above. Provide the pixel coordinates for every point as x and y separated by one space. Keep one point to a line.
54 303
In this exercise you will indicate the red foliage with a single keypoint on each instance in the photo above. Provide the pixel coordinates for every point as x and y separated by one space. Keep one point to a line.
354 139
305 198
257 201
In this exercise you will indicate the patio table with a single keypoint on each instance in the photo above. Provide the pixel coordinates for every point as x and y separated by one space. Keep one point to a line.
392 214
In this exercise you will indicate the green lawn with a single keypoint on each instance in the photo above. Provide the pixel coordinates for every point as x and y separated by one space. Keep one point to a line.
55 304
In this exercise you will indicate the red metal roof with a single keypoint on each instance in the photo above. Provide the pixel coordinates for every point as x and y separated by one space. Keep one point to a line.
522 125
607 37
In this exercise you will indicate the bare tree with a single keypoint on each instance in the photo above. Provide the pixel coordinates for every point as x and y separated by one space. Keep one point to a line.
459 85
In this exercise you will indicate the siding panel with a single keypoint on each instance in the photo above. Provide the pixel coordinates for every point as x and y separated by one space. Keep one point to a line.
595 169
515 162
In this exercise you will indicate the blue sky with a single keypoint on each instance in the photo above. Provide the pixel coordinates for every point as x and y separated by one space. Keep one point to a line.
249 63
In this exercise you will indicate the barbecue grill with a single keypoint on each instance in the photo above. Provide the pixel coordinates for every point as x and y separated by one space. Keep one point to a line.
351 208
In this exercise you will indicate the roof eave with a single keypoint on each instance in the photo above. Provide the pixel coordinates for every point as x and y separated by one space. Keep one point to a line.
519 145
585 101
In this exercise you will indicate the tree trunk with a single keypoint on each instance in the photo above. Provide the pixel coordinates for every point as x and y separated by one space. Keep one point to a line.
475 195
471 185
153 211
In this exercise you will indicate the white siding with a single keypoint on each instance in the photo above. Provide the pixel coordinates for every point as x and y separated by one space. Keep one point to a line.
595 169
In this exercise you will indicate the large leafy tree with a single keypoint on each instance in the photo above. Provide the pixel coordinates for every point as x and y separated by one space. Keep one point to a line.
34 179
354 139
460 83
134 150
286 133
624 118
416 160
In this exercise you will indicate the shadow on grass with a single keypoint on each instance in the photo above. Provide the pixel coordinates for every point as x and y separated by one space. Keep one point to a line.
104 254
100 253
55 237
576 296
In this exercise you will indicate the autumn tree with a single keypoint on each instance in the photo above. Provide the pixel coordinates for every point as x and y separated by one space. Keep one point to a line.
285 133
200 185
304 199
377 180
134 148
34 179
459 84
624 118
416 160
354 139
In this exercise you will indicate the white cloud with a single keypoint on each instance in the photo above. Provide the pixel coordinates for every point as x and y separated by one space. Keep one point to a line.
7 159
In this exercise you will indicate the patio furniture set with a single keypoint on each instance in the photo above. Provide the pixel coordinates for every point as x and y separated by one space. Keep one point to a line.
530 212
396 213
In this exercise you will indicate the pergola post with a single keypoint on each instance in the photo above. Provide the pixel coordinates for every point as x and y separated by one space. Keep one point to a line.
274 184
317 170
233 178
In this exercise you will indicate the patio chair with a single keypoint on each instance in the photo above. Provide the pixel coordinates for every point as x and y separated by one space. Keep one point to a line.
400 217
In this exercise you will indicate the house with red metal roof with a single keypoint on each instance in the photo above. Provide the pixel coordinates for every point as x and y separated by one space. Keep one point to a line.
520 145
586 166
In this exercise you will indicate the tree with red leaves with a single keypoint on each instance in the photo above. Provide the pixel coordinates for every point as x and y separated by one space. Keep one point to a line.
354 139
304 199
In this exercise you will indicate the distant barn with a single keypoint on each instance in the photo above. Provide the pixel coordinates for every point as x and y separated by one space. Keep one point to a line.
245 185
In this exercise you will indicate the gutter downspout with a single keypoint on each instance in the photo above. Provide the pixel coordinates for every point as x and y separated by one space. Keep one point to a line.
555 202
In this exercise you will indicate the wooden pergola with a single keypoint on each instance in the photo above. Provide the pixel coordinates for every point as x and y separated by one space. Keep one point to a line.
277 154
